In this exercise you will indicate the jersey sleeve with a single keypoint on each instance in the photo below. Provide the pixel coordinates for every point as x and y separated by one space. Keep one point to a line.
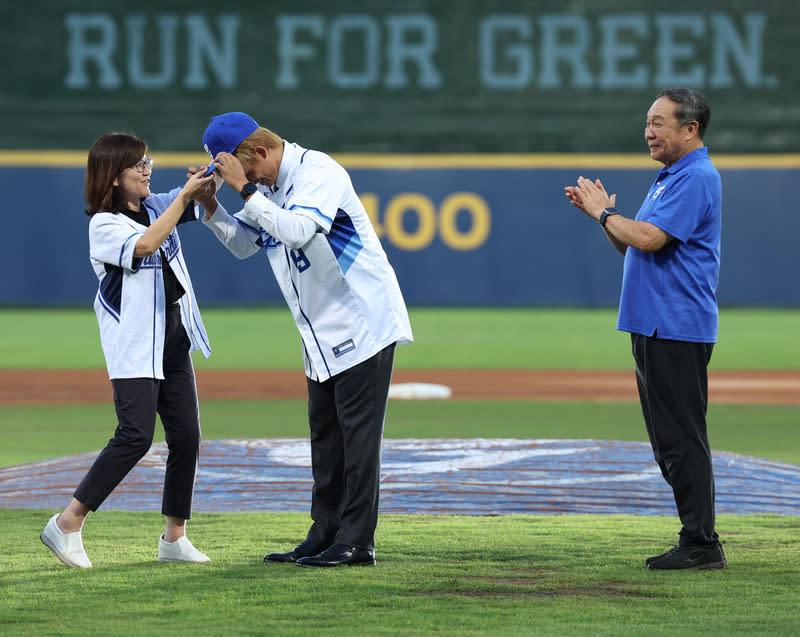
318 189
295 230
113 241
160 202
234 232
682 207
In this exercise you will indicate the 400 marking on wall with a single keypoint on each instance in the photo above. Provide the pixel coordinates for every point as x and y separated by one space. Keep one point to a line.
411 221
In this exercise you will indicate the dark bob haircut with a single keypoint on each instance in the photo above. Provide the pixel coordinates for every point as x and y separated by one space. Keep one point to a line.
108 157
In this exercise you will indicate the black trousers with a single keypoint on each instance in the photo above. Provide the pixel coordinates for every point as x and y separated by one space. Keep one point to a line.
346 415
137 400
672 377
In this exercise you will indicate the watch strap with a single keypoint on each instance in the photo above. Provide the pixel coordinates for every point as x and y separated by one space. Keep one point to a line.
607 212
248 189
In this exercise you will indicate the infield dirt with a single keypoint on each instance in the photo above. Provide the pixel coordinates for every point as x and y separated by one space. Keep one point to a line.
52 387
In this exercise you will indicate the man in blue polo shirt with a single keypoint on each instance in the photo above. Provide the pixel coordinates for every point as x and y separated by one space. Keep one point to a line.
668 304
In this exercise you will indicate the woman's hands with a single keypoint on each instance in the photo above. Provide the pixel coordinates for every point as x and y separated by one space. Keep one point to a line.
207 195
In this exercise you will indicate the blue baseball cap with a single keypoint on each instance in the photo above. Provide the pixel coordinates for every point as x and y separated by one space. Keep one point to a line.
225 132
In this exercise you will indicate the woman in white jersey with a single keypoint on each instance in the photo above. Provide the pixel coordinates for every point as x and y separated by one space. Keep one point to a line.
149 322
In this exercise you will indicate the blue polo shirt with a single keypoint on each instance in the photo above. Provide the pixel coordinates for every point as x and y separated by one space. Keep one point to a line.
672 292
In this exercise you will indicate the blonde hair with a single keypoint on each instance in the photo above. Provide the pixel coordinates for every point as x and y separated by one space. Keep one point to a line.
259 137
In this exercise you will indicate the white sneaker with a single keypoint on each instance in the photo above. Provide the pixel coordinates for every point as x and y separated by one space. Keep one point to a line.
181 550
68 547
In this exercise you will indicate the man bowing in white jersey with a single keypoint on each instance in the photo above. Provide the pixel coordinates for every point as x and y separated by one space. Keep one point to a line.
300 207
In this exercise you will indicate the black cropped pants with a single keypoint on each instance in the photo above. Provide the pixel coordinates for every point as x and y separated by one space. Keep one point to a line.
137 400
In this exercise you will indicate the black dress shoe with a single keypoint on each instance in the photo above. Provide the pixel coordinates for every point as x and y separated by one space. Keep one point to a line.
304 549
340 555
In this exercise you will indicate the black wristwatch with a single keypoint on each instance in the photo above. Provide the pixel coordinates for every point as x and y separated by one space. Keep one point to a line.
248 189
607 212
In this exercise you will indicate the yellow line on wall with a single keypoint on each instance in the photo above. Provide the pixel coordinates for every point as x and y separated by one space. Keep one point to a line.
596 161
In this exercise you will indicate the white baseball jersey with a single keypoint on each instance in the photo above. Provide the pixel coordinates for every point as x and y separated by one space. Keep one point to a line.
130 302
339 285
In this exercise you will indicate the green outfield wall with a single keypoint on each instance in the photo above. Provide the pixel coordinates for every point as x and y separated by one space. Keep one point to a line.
399 76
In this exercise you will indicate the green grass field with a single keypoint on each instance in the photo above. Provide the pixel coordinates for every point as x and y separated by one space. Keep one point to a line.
38 433
548 575
449 575
266 338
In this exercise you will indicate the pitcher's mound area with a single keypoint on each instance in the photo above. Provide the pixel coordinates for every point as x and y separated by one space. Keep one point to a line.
432 476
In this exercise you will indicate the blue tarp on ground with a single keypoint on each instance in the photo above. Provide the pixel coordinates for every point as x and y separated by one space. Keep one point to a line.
473 476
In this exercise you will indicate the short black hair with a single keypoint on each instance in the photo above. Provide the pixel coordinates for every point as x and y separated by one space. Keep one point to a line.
691 107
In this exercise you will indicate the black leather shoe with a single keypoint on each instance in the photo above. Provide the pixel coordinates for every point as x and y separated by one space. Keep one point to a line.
304 549
340 555
689 558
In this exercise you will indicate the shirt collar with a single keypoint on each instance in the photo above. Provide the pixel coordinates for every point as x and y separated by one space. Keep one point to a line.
695 155
140 216
287 161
